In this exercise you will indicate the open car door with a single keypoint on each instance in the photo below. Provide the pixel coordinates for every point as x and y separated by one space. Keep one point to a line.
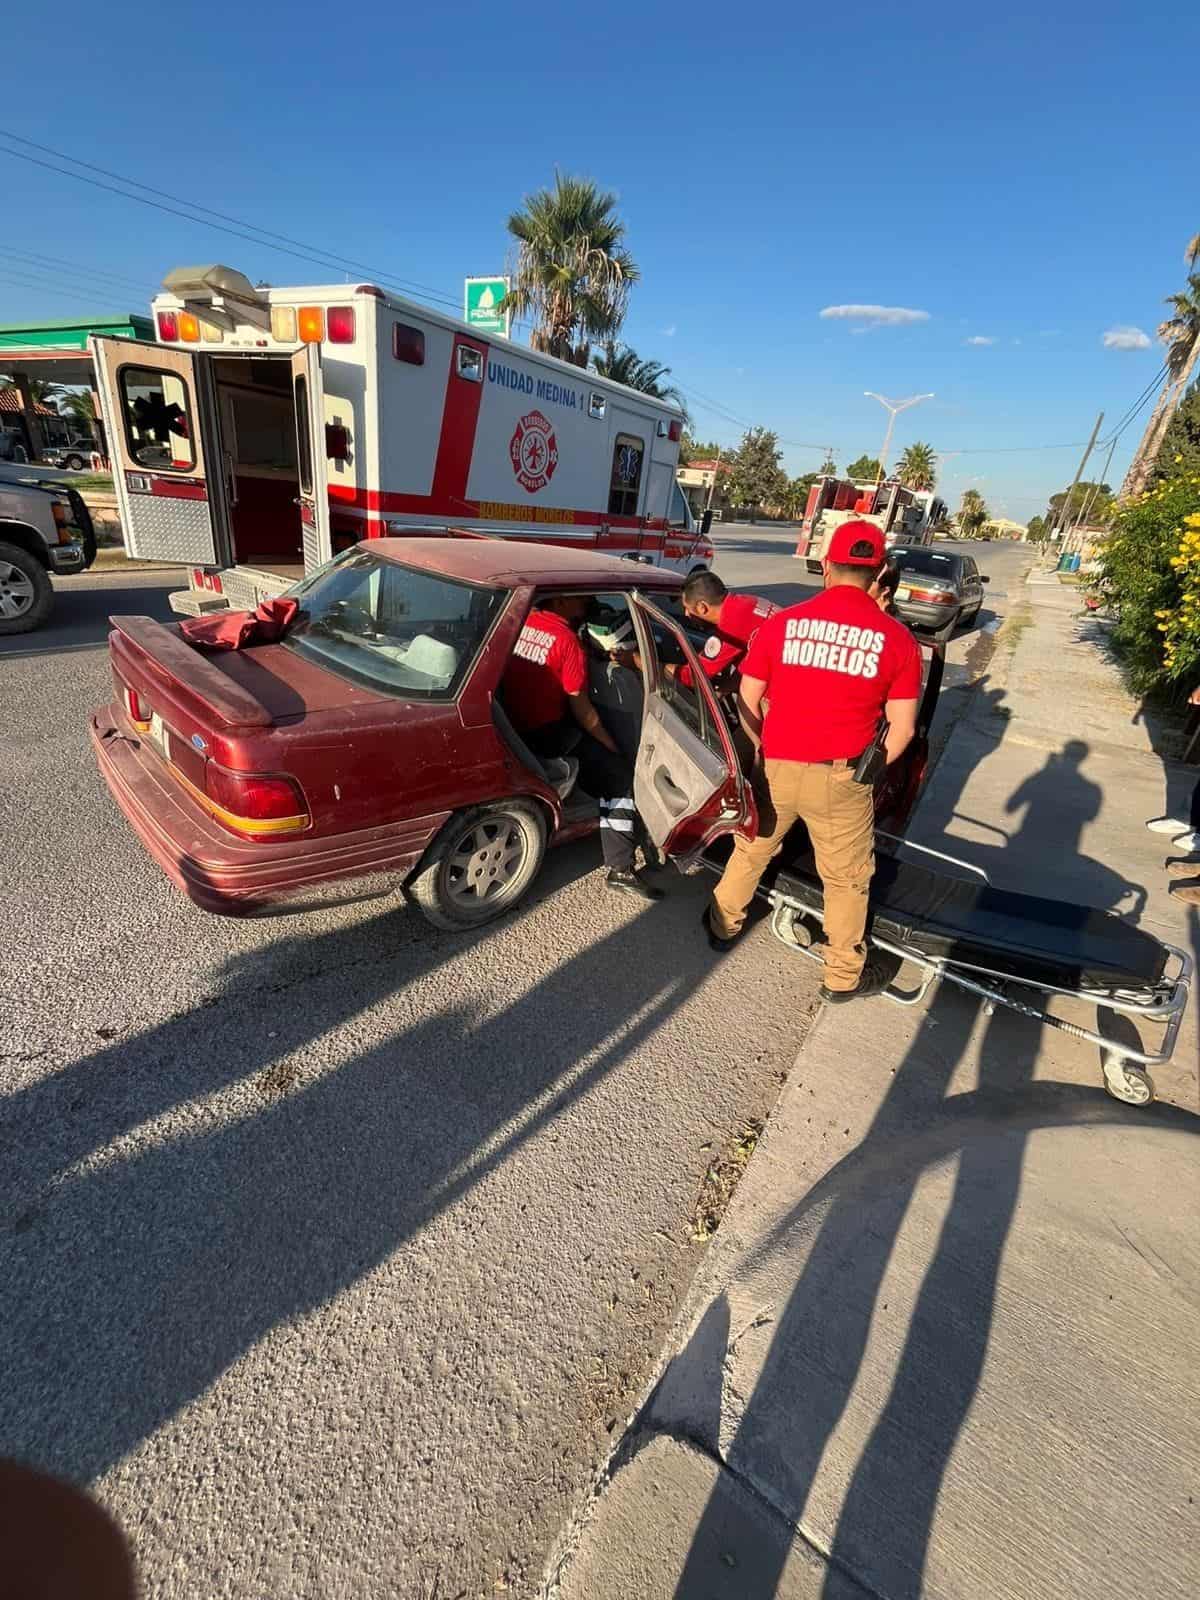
168 468
308 393
687 783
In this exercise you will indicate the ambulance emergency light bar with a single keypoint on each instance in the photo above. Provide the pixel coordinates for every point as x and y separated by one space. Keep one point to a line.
205 291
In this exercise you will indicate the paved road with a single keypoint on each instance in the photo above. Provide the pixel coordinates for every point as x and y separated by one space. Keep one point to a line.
332 1247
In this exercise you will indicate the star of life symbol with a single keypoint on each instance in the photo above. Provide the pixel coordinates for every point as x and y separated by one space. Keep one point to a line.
628 460
534 451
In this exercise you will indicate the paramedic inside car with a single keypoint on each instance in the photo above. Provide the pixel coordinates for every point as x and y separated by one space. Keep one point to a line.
827 669
732 620
545 693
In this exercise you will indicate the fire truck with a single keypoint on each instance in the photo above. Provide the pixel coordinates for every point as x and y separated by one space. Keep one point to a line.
266 429
906 516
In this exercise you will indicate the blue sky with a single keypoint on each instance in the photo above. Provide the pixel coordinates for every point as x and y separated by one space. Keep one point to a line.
1029 180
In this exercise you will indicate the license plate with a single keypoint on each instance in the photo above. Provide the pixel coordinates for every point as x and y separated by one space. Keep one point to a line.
903 593
158 734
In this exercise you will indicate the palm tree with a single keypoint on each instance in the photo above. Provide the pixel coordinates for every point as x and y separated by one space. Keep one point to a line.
918 467
622 364
1181 335
573 272
41 391
80 407
972 515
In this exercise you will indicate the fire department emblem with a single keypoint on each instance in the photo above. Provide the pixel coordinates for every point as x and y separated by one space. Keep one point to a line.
534 451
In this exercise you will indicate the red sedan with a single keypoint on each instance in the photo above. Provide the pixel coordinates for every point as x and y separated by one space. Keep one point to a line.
370 738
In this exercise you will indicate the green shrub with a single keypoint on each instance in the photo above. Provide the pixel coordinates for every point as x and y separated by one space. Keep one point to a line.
1151 570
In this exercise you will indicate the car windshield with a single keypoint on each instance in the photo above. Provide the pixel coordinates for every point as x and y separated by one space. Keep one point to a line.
412 633
933 563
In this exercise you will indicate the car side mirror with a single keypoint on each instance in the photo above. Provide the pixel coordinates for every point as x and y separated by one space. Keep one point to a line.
706 523
983 578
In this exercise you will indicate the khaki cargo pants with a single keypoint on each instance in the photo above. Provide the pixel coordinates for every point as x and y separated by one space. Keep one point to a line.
840 817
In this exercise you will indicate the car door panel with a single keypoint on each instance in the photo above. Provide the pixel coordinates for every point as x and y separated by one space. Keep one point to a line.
688 785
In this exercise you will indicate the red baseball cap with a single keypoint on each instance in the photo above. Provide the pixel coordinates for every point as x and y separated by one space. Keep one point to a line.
856 544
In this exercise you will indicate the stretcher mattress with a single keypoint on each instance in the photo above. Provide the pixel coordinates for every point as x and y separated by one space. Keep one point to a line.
1023 936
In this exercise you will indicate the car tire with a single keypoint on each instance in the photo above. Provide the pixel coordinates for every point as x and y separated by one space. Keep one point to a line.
26 595
480 865
74 463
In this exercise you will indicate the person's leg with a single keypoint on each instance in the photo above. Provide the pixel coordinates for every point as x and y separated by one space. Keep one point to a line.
775 793
1194 810
840 815
609 778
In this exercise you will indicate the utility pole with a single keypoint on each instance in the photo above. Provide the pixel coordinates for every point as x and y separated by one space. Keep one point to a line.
893 408
713 484
1063 514
1081 519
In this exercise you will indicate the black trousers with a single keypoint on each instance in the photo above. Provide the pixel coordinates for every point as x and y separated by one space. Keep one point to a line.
608 777
1194 811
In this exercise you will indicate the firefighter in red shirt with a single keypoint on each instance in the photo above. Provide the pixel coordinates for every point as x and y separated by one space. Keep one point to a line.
828 669
545 692
733 618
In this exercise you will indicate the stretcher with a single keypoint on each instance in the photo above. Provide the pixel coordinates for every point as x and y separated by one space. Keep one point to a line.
954 926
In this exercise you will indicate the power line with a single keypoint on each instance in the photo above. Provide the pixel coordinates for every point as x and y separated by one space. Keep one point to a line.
259 237
1138 405
55 263
46 288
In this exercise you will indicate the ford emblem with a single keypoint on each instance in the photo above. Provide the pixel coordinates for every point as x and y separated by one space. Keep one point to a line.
200 743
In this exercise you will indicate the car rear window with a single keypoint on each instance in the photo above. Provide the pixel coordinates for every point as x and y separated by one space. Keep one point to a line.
412 633
934 563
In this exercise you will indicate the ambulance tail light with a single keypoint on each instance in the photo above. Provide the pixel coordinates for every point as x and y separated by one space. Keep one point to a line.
311 323
254 805
189 327
283 324
207 580
675 430
168 327
339 325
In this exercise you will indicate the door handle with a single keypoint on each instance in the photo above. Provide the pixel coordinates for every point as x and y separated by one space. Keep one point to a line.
672 796
230 479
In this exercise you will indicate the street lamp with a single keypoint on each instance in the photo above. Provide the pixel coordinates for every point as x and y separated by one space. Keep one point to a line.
893 408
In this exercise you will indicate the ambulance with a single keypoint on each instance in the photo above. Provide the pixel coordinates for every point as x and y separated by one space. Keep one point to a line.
267 429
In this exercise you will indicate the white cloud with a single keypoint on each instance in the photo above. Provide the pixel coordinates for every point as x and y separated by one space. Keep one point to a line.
1126 339
669 333
979 338
877 316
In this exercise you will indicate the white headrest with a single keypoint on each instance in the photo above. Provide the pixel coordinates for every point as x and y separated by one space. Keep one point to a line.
432 658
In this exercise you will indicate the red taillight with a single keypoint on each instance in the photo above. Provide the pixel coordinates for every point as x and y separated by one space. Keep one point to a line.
339 325
675 430
168 327
252 805
934 597
139 710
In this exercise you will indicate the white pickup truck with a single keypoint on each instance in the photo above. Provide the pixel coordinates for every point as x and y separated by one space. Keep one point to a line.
45 528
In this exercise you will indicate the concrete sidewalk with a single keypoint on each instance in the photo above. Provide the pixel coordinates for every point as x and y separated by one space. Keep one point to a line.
944 1342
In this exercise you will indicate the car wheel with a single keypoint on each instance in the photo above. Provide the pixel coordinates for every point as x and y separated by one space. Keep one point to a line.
75 463
26 597
480 865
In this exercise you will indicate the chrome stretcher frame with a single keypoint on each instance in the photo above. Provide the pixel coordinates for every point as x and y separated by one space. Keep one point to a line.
1123 1065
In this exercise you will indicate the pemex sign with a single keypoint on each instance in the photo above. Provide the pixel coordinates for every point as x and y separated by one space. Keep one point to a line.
480 300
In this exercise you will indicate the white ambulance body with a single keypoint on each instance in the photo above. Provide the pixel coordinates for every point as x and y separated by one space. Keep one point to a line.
267 429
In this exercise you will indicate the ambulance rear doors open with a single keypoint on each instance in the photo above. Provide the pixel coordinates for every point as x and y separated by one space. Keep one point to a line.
218 460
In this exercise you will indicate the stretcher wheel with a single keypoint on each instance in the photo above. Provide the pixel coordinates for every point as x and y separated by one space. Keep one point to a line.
791 928
1128 1083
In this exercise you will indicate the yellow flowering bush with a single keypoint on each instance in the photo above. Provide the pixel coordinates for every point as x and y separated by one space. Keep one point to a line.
1151 567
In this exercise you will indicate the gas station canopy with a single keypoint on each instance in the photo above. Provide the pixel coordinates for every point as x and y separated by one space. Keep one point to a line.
57 351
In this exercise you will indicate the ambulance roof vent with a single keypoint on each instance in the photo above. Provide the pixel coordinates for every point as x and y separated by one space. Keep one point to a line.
192 283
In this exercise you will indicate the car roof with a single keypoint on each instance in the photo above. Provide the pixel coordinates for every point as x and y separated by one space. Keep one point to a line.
512 563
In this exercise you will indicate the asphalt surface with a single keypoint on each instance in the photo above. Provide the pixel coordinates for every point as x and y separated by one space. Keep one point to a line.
334 1249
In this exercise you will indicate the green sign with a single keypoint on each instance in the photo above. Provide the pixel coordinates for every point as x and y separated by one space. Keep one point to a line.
483 295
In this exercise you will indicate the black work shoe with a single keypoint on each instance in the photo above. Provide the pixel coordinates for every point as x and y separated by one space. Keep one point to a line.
872 981
631 882
716 941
